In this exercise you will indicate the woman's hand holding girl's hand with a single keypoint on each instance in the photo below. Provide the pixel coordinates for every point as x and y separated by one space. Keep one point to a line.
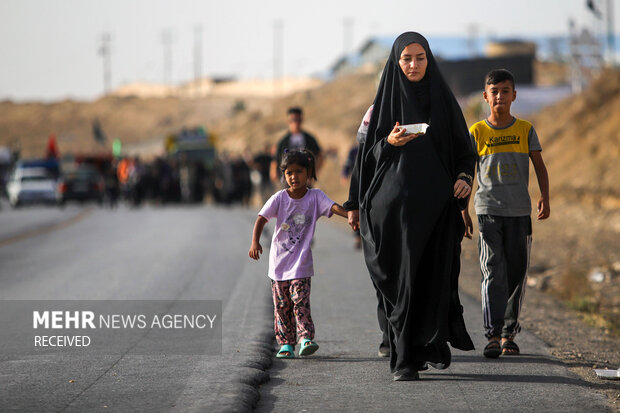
461 189
398 138
255 250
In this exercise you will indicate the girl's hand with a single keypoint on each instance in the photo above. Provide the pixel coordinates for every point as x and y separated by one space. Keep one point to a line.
354 219
461 189
398 138
255 250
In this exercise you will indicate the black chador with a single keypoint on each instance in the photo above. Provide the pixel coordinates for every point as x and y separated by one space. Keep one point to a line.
410 221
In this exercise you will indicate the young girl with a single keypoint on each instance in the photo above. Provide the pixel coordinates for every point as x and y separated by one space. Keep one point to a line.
296 210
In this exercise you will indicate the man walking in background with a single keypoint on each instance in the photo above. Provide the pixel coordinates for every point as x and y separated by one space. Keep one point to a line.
295 139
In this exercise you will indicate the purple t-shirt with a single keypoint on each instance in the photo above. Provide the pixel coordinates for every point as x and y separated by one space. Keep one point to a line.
290 256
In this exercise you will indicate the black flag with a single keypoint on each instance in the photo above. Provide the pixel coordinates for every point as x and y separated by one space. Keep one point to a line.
98 132
594 8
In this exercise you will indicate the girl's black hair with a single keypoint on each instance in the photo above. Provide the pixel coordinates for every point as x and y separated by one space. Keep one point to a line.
303 158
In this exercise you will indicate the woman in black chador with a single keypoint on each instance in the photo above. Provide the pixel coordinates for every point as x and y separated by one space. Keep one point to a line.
405 195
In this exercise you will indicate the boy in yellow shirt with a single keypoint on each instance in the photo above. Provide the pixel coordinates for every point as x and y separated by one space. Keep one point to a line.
504 145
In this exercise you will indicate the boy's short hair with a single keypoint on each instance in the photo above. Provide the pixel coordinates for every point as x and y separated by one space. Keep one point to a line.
295 110
499 75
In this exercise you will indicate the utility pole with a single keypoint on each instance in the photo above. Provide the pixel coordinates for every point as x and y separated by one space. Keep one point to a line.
597 11
347 35
198 59
277 56
104 51
472 40
575 59
166 39
611 35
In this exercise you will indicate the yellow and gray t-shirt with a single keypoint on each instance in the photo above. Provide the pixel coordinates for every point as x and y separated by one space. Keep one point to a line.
503 167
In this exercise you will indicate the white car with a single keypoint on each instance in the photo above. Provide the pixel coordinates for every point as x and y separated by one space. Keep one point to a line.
30 184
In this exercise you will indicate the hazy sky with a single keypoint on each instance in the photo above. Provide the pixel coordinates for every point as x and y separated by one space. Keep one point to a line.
48 48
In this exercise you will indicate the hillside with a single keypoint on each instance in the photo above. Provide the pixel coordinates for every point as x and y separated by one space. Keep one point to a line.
580 137
581 147
133 120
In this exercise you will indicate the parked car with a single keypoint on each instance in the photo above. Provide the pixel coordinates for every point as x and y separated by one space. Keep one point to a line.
82 184
30 185
5 167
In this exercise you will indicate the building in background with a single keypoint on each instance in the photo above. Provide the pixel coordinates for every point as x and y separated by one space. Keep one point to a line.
464 61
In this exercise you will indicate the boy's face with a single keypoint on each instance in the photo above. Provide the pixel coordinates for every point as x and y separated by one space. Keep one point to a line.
500 96
294 122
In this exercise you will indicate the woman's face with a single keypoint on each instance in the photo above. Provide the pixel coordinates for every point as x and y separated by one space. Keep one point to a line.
413 62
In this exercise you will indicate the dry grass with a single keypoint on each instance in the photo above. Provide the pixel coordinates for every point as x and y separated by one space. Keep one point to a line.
581 147
27 126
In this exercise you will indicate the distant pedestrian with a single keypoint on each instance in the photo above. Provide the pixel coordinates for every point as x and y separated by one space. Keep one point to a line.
295 139
296 209
242 184
223 183
112 188
262 164
504 145
136 182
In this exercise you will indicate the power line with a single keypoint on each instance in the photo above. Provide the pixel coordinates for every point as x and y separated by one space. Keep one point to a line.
104 51
166 39
611 36
347 35
198 58
596 9
277 55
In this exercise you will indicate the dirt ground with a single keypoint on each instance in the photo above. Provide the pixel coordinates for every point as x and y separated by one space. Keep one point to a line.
581 346
573 296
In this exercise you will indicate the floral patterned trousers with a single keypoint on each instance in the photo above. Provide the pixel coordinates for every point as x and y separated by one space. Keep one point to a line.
291 309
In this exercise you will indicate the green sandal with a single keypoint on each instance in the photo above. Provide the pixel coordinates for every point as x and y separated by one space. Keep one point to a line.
286 352
308 347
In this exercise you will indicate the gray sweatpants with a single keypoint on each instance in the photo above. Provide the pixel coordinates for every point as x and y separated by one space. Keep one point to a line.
504 249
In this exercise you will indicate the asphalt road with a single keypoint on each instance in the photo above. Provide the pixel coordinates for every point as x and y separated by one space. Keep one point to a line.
200 253
176 254
346 374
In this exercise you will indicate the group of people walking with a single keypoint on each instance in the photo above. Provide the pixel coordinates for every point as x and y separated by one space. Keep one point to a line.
408 197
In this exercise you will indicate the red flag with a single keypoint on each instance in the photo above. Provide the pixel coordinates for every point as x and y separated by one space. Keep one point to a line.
52 148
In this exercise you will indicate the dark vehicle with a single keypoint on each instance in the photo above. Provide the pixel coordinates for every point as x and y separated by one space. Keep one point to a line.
193 151
82 184
102 162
